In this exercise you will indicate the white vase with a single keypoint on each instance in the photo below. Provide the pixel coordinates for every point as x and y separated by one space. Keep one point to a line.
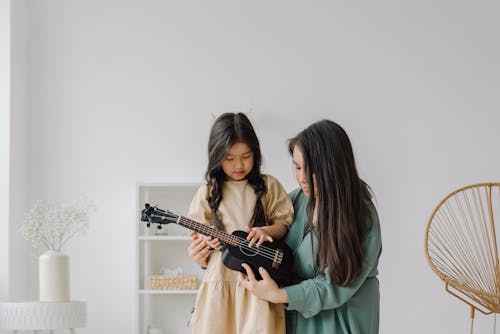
53 270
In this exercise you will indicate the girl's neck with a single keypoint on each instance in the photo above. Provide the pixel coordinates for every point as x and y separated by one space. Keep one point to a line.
235 181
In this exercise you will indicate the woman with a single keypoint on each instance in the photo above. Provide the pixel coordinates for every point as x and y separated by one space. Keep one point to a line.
336 239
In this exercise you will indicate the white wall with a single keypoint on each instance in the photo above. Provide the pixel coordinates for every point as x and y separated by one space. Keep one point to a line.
4 146
120 92
23 270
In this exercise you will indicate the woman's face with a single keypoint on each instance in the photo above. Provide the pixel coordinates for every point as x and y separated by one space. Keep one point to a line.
238 162
300 172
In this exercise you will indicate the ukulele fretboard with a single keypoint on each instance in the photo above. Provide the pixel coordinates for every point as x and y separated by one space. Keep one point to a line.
207 230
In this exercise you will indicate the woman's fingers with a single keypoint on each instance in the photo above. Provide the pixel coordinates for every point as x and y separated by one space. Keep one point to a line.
266 288
265 275
249 271
247 281
242 279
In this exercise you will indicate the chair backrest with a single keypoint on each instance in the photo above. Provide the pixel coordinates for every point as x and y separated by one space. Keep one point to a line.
461 245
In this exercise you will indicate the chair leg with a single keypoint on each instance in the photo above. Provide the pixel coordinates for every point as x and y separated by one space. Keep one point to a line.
472 311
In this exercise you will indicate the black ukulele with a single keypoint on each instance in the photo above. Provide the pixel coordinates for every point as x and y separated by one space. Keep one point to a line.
275 257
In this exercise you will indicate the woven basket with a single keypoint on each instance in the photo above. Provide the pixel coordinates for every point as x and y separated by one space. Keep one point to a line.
173 282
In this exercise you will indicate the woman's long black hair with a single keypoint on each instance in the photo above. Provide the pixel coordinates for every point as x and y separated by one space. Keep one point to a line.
228 129
342 199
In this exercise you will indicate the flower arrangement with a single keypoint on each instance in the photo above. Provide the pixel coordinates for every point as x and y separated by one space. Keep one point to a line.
51 225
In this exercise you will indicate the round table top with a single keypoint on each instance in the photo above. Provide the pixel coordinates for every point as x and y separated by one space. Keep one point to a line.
43 315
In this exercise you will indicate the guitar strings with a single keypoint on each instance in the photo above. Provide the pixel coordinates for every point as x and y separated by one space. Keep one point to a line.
265 251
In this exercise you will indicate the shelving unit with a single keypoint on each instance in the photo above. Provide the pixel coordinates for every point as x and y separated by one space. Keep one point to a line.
167 309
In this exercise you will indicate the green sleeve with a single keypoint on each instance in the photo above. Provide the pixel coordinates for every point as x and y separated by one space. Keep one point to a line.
311 296
293 194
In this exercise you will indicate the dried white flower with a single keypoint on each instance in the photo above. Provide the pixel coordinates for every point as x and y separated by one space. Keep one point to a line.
51 225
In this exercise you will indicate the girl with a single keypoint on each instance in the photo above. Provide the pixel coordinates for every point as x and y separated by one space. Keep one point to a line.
236 197
336 239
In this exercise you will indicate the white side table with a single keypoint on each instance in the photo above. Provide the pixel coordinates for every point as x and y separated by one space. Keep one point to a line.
37 316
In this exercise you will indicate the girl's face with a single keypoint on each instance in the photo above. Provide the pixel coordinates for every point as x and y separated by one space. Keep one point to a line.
300 172
238 162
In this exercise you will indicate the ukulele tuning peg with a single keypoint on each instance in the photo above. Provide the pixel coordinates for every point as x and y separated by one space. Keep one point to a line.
159 227
148 225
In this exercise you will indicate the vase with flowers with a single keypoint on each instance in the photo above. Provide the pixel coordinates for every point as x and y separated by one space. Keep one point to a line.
50 226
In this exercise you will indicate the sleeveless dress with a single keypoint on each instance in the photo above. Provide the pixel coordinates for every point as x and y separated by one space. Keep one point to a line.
222 306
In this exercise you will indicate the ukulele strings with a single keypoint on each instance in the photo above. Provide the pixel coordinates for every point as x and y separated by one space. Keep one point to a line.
265 251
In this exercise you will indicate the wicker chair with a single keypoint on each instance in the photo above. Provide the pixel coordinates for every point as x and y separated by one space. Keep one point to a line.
461 246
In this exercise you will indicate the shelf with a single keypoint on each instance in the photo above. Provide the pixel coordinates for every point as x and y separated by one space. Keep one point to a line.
168 292
165 237
165 248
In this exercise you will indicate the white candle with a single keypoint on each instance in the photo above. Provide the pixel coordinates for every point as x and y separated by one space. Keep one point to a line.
53 270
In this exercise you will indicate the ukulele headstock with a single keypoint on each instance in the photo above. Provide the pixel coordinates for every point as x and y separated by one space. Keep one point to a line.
154 215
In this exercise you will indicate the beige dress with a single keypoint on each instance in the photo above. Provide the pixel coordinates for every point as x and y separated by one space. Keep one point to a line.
222 306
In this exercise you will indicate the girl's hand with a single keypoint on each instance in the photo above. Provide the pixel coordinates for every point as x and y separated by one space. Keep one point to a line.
257 236
199 250
265 289
213 243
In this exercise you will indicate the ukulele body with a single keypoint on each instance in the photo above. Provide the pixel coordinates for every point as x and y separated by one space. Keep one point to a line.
275 257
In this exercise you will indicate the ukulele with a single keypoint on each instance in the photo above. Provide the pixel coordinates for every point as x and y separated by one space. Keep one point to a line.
276 257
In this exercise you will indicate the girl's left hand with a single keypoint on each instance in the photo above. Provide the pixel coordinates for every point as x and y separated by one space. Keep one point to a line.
265 289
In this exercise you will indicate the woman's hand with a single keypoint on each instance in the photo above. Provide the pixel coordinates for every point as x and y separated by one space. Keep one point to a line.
199 250
257 236
266 288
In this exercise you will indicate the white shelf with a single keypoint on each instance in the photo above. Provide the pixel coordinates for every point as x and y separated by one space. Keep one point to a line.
168 292
166 309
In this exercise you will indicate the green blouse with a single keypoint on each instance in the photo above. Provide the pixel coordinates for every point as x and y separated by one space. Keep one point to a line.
317 304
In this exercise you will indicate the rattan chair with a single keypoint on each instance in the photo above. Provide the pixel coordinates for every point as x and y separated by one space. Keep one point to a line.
461 246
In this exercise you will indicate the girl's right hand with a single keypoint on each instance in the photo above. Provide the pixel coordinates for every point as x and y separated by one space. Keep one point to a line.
213 243
199 250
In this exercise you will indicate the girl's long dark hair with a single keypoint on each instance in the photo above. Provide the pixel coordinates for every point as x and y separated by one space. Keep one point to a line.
342 199
228 129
